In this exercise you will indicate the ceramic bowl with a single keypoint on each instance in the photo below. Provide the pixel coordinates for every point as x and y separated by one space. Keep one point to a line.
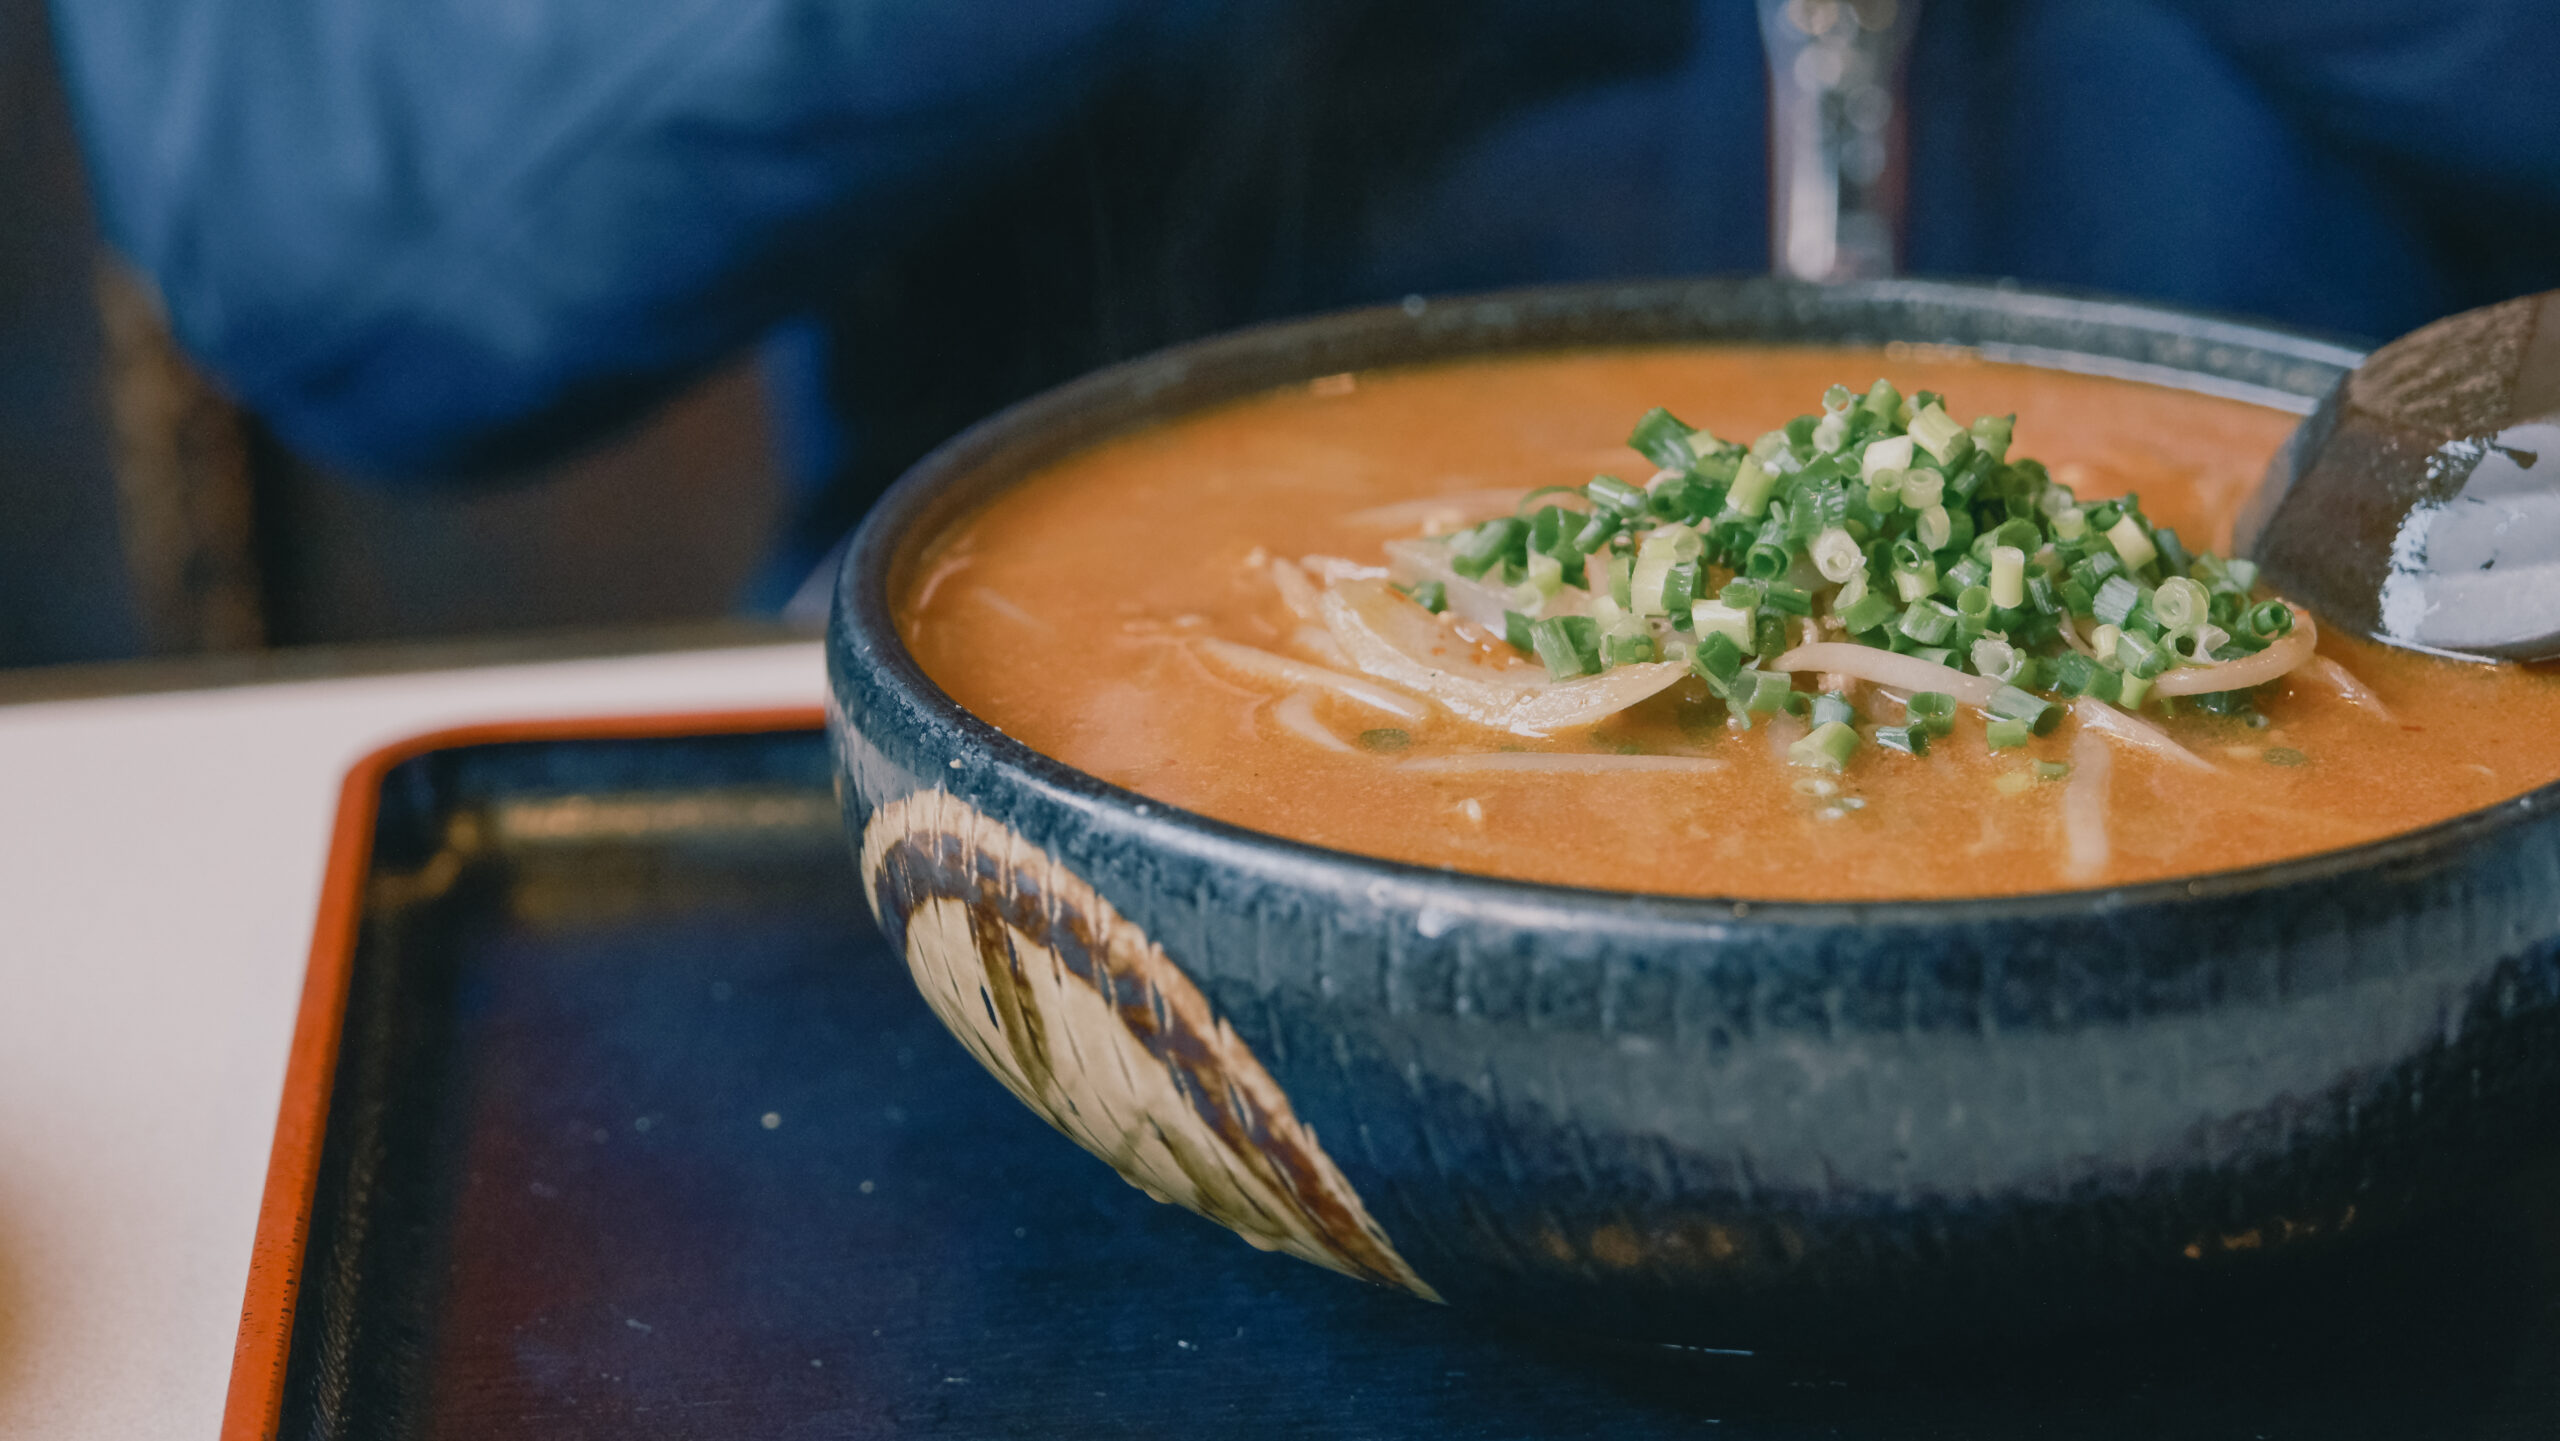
1718 1122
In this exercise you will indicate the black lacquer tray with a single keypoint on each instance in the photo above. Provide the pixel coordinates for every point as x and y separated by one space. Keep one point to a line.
612 1116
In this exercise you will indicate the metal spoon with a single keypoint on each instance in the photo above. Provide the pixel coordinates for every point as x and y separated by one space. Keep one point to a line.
2420 502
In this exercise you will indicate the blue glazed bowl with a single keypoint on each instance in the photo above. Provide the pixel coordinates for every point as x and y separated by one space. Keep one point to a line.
1720 1122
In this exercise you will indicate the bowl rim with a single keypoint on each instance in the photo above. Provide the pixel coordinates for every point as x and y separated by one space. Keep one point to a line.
860 621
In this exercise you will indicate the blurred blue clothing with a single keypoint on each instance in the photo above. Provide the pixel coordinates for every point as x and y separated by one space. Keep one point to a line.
454 236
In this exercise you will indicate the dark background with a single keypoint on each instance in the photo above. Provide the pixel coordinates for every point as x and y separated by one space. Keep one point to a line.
142 515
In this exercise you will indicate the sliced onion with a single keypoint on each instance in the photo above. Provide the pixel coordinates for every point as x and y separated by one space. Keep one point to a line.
2085 843
1395 640
1561 763
2098 717
1884 667
1412 562
1332 568
1262 666
1364 615
1296 713
2071 636
1318 643
2349 689
2289 652
1296 591
1464 507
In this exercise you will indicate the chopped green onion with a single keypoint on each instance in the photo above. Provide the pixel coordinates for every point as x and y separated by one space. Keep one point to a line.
2270 620
1714 617
1927 621
1611 493
1787 598
1647 582
2284 756
2006 734
1478 550
2093 569
2052 770
1680 587
1836 554
2103 641
1763 691
1712 560
1768 633
2173 555
2180 602
2115 600
2133 543
1569 645
2039 714
1546 573
2198 646
1386 738
2140 657
1627 648
2074 673
1826 748
1751 486
1939 434
1662 439
1717 657
1866 613
1889 455
1991 435
1959 527
1595 532
2008 576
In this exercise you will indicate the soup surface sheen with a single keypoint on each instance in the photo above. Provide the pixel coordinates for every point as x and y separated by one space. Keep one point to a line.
1069 614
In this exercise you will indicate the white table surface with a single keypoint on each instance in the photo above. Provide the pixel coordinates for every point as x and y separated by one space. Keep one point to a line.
160 864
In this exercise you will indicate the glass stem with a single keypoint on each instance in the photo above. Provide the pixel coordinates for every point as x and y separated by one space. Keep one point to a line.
1835 79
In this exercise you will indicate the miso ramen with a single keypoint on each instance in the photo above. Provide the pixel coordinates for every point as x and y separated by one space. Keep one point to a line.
1744 622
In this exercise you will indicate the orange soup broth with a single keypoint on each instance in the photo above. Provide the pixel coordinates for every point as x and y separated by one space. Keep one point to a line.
1064 615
